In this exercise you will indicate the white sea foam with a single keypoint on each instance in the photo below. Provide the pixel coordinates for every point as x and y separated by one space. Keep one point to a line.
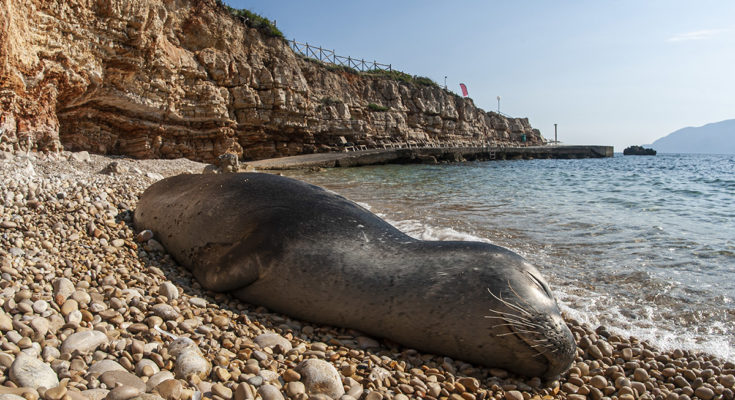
590 305
418 230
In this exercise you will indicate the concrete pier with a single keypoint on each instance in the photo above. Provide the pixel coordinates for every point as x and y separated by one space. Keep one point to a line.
429 155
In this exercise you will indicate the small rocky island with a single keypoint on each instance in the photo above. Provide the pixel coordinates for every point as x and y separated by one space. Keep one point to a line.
638 151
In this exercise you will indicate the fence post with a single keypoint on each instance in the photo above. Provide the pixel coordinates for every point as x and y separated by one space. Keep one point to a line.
320 53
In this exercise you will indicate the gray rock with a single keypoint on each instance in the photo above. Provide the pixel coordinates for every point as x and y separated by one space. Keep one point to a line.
180 345
165 311
190 362
272 339
6 323
115 168
63 288
31 372
154 175
198 301
155 246
210 169
320 377
255 380
147 396
40 306
365 343
13 336
80 156
268 375
143 363
112 378
102 366
168 290
157 378
95 394
83 342
81 297
9 396
228 162
123 392
144 236
50 353
270 392
40 325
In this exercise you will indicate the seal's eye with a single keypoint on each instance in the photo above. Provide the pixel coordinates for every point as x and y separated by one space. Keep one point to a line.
540 284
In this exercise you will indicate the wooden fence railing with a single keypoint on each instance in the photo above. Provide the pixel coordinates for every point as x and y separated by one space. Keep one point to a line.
329 56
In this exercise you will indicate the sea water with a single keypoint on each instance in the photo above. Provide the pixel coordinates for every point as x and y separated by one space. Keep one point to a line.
642 245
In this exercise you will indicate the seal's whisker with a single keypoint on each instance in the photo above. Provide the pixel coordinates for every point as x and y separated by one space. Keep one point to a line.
509 304
525 331
505 334
520 297
514 325
509 315
540 353
510 318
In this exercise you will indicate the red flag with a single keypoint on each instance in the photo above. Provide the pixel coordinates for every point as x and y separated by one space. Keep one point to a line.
464 89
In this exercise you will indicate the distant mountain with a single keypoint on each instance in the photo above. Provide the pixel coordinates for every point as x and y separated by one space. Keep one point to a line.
714 138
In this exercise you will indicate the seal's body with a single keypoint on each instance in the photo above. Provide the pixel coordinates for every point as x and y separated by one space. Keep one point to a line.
306 252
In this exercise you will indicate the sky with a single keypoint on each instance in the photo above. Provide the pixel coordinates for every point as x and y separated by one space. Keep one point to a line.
618 73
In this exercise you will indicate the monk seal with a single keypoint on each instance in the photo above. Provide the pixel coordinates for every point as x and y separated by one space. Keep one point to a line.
306 252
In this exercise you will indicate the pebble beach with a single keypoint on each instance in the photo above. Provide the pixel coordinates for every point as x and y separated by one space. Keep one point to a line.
92 309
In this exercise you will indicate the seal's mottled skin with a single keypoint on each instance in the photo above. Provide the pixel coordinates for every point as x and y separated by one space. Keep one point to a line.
311 254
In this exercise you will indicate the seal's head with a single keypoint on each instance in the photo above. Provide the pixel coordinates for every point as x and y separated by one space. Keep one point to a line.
524 311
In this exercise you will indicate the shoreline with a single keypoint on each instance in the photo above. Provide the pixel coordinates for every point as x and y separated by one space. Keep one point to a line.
67 219
427 155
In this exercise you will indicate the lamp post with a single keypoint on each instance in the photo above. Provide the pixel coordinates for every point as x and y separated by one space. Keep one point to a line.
555 139
498 104
445 82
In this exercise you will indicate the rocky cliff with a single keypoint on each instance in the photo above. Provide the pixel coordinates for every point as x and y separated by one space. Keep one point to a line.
184 78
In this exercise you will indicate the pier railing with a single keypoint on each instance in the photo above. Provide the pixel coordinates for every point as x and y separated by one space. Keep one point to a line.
330 57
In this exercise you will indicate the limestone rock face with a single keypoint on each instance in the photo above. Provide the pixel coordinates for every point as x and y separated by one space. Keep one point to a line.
183 78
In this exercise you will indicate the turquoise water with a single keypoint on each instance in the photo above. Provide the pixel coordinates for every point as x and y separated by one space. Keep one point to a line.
643 245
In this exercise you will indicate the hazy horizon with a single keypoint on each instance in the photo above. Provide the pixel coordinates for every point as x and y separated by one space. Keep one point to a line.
617 73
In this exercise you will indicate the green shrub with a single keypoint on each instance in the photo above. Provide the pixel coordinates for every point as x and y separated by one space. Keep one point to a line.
422 80
403 77
341 68
375 107
254 20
